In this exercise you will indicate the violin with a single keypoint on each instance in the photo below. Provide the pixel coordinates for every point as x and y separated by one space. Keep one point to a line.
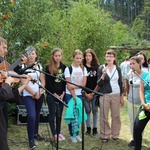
5 68
4 73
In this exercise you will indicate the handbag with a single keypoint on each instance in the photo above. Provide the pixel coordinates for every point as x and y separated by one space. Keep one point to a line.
102 90
97 100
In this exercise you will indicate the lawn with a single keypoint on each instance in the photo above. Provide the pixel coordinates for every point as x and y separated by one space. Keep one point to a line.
17 138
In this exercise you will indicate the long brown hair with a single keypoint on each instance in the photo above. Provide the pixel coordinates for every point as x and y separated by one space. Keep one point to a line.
145 64
137 59
112 52
94 62
52 63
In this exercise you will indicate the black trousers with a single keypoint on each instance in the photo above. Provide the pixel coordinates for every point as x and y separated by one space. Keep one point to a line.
139 126
3 132
4 106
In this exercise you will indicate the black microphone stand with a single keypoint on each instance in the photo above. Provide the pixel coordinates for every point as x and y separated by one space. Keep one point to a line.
83 98
57 108
82 127
141 78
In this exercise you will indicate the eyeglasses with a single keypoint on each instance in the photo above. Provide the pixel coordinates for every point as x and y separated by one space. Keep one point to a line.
110 56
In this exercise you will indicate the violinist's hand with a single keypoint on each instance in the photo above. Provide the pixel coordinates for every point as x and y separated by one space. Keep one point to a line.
9 80
23 60
27 80
24 82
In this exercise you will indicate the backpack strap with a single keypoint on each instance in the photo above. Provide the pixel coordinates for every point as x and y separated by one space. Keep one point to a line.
70 69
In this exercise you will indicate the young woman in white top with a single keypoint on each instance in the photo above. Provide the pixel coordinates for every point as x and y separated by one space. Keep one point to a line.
33 96
78 76
132 88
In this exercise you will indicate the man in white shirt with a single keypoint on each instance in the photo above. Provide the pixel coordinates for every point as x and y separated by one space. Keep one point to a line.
125 67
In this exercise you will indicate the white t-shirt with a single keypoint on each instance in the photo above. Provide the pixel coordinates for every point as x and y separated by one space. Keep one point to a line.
134 83
34 86
145 69
114 76
125 67
76 77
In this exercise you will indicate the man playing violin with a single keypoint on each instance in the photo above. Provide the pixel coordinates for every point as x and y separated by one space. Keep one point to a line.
7 95
3 51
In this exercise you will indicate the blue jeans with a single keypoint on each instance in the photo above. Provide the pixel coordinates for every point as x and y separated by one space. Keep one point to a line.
90 106
52 104
67 98
33 108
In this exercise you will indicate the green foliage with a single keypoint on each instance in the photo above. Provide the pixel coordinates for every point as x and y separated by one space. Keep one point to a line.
139 27
65 24
88 27
141 23
122 34
12 113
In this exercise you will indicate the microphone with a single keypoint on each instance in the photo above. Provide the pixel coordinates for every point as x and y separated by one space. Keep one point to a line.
105 68
29 67
31 71
106 64
131 82
133 70
16 75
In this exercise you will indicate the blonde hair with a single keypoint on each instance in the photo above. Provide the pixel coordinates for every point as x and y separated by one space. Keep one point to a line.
52 63
78 52
2 40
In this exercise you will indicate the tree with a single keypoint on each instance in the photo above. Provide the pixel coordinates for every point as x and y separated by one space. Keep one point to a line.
60 23
142 23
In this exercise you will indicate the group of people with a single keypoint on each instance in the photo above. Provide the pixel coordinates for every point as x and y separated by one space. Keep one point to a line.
137 89
85 71
64 84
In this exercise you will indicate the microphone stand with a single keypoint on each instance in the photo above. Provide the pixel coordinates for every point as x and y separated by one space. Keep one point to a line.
83 98
141 78
57 108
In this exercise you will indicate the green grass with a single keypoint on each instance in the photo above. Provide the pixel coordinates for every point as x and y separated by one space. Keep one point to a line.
17 138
